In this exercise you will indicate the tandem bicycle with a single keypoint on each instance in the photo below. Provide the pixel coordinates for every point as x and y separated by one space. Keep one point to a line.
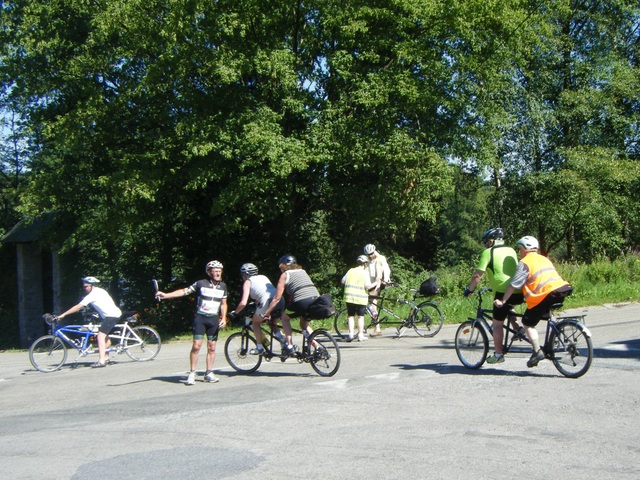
49 352
319 348
567 341
424 318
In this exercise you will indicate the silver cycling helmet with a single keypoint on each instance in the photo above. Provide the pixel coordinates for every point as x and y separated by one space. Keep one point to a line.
529 243
369 249
493 234
249 268
287 260
90 280
214 264
362 260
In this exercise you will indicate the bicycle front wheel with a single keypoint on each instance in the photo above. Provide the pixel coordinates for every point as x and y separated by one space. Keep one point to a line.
48 353
236 351
427 319
341 323
325 353
142 343
571 349
472 344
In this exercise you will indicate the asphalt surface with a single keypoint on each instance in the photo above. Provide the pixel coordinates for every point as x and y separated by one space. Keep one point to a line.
397 409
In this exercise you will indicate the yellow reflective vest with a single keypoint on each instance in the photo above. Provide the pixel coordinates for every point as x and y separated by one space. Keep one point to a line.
354 286
543 279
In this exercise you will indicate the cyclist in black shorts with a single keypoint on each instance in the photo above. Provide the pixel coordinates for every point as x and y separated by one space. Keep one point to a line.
211 314
302 292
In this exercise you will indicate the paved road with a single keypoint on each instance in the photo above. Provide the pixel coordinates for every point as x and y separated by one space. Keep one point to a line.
397 409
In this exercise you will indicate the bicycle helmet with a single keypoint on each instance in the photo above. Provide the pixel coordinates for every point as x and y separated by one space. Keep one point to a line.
214 264
369 249
90 280
287 260
493 234
362 260
249 268
528 243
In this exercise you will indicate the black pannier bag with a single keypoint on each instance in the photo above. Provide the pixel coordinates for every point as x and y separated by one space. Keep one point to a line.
429 287
321 308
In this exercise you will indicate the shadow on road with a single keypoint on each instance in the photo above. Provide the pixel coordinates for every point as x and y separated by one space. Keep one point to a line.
448 369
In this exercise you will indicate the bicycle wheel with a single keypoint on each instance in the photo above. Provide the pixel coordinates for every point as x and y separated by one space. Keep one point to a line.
472 344
427 319
48 353
236 351
571 349
341 324
325 353
142 343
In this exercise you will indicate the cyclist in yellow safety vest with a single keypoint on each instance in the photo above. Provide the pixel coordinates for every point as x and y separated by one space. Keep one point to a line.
541 286
356 295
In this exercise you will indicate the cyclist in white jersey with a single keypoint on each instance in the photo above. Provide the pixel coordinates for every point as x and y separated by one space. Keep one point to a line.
109 312
260 290
302 293
211 315
379 274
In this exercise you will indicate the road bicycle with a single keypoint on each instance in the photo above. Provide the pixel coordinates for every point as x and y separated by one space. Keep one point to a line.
424 318
49 352
319 349
567 341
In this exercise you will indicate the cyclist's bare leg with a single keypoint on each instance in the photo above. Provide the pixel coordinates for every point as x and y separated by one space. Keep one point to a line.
532 333
102 347
351 321
256 321
360 326
211 354
306 328
195 350
513 322
286 326
498 336
374 311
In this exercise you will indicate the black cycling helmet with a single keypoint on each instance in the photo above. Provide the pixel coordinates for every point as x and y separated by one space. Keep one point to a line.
249 268
287 260
494 233
90 280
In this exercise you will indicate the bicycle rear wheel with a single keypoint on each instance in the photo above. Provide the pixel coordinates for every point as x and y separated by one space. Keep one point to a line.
143 344
325 353
427 319
571 349
472 344
236 351
341 324
48 353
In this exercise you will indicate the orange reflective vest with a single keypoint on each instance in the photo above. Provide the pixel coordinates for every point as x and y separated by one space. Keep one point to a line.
543 279
354 287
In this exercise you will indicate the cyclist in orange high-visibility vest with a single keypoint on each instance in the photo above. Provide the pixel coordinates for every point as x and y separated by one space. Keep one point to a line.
541 285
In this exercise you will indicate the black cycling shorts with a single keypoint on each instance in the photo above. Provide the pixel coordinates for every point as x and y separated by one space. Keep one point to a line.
205 325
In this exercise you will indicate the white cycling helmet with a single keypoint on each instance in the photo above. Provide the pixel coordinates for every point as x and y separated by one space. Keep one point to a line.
213 264
90 280
528 243
362 260
369 249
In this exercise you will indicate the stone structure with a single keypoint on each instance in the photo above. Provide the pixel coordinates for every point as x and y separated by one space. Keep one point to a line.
38 276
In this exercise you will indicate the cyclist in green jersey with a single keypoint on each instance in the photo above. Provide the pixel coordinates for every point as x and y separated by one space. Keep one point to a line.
499 261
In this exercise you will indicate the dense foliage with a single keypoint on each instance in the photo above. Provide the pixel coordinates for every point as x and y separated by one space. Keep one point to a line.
168 133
